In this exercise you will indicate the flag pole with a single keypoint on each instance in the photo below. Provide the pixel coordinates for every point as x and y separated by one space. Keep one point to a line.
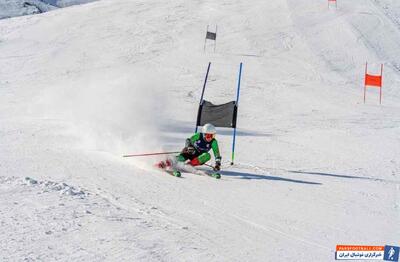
365 81
380 88
202 93
237 104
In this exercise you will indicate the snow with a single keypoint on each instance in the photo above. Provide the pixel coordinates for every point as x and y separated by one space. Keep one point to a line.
12 8
314 165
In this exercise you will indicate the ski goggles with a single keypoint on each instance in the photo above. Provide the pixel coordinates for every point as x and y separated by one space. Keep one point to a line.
209 136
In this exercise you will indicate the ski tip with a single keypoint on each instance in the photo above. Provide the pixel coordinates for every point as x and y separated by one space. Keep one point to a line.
217 175
177 173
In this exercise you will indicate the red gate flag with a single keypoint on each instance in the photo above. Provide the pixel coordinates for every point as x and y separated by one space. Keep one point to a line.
373 81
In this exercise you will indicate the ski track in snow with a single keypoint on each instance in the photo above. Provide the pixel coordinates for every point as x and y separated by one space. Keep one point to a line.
315 167
50 212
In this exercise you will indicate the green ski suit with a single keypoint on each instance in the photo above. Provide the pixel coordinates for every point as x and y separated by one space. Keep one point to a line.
200 154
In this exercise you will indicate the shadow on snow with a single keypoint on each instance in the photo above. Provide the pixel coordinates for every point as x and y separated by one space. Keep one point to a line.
242 175
334 175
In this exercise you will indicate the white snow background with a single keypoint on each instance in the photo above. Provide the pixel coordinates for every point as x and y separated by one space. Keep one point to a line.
314 166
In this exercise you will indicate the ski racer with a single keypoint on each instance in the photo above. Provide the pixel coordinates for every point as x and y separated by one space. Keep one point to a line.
196 149
197 146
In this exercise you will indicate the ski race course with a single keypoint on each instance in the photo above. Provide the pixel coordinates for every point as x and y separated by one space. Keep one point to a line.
315 167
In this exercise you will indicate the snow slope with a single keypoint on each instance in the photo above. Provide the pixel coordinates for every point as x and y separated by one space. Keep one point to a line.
12 8
315 167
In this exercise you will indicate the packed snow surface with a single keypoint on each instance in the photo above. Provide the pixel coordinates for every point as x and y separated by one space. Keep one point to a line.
12 8
314 166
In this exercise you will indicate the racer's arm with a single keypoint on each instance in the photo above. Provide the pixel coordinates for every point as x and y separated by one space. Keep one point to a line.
190 141
215 148
189 145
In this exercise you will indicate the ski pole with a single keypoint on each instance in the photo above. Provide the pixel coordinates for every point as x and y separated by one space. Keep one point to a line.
213 168
152 154
209 165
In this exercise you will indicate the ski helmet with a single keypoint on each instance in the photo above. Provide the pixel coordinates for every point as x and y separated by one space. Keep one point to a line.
209 129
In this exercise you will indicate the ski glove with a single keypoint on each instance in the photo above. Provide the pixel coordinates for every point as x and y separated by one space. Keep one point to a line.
189 150
188 142
217 166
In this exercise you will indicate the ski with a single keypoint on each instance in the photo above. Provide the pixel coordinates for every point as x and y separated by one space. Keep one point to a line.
168 169
174 173
193 170
215 175
175 169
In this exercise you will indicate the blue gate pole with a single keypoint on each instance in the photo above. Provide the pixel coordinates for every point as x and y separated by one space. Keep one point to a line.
237 105
202 93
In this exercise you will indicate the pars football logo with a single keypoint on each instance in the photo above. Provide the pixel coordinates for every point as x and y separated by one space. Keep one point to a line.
391 253
355 252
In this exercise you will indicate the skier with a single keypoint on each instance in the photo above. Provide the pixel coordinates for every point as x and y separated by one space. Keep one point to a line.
196 149
391 253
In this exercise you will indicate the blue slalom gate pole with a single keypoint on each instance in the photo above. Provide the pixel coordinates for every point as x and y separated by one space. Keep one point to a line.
204 88
237 105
